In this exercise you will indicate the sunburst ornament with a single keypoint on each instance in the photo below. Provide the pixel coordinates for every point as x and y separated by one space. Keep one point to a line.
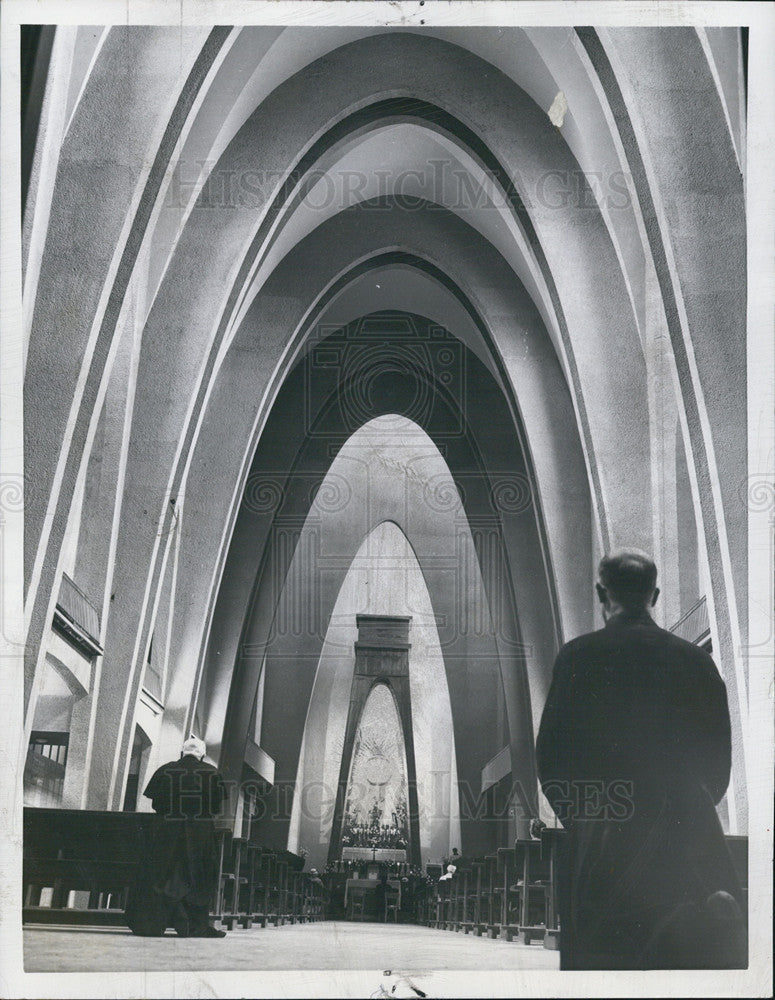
378 770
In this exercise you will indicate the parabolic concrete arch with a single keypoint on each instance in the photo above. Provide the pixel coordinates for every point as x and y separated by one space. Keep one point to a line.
381 474
384 578
433 72
294 457
189 304
304 292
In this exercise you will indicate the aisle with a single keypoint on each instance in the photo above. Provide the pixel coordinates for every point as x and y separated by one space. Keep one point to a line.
326 945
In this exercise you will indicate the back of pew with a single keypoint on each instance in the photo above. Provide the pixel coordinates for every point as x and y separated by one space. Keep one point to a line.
70 851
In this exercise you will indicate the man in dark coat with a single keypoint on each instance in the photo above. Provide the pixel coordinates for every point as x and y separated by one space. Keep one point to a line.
178 875
633 755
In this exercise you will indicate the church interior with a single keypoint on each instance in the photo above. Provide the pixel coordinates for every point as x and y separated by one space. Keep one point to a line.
349 351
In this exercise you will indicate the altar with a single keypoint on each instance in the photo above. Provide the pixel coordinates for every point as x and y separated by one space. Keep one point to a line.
360 897
374 854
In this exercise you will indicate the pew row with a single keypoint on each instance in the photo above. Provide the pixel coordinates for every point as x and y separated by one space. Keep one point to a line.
78 867
512 893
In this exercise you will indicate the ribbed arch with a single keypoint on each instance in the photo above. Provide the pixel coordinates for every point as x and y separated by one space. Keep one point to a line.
300 272
409 47
162 330
342 565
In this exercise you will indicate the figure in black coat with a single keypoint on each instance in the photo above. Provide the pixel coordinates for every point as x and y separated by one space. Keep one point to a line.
177 877
633 755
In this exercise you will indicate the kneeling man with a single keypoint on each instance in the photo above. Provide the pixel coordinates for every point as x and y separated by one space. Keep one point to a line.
177 877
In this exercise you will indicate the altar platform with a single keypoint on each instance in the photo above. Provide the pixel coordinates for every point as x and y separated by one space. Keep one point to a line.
374 854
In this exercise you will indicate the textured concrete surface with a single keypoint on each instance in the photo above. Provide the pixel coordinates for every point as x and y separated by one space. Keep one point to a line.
329 945
571 313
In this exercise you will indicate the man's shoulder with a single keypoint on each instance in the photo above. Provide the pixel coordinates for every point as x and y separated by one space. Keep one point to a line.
690 653
589 644
201 767
582 643
167 768
609 638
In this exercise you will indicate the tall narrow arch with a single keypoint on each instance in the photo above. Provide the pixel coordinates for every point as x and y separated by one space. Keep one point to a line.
384 577
498 501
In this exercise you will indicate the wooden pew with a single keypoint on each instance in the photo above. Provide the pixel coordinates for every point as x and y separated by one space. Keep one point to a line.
491 896
448 917
551 841
440 900
535 881
97 853
257 889
280 893
421 904
231 881
69 850
459 896
507 893
475 918
461 913
295 896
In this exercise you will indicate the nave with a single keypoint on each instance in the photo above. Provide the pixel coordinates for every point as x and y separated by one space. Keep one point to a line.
327 945
330 414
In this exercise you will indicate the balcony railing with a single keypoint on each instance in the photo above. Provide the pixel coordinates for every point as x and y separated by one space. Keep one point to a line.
694 626
77 618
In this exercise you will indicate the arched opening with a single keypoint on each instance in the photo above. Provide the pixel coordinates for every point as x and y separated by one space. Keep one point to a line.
384 578
376 811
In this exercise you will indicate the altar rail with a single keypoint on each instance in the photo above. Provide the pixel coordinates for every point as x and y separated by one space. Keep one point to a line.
377 854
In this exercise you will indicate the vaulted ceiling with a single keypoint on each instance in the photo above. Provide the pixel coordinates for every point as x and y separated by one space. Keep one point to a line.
209 209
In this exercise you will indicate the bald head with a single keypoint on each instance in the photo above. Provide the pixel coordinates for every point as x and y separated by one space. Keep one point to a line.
627 578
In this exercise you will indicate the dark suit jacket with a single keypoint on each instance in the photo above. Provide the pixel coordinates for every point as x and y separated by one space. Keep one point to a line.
633 754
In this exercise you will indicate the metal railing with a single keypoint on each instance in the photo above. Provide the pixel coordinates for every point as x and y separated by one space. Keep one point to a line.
694 626
77 607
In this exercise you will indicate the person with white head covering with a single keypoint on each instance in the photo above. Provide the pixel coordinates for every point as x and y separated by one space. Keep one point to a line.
194 747
179 872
